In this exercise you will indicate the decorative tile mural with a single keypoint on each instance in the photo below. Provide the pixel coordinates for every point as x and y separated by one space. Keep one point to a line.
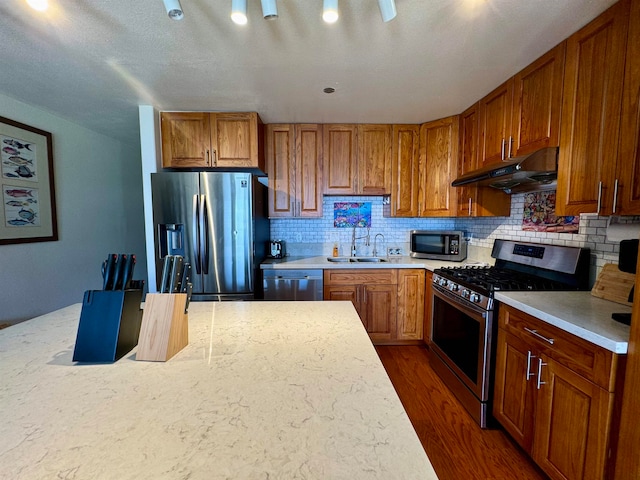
539 215
352 214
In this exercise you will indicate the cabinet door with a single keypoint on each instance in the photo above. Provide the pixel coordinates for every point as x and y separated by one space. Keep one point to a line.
572 424
374 159
185 139
379 309
281 168
339 159
537 104
428 307
236 139
591 108
410 315
309 170
438 167
513 404
629 151
404 171
467 160
495 124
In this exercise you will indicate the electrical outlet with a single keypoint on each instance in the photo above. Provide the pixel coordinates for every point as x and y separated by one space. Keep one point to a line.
394 252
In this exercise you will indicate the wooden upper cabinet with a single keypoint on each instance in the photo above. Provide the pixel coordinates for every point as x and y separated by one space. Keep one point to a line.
404 170
294 159
309 169
280 146
374 159
628 201
591 108
186 139
495 124
537 103
339 159
237 140
206 139
438 167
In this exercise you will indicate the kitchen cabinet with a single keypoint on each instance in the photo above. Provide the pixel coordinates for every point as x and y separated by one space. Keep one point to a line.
629 148
411 292
357 159
373 292
474 201
294 164
438 168
494 112
591 109
554 394
212 139
404 171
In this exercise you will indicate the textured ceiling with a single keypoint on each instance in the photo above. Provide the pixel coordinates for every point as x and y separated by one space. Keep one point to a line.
95 61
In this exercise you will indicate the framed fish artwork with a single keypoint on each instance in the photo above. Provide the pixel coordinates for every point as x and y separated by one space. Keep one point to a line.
28 212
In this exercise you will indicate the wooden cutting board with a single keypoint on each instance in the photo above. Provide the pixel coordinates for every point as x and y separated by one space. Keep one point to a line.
613 285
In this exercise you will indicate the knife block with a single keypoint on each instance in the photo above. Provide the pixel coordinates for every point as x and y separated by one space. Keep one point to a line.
109 325
165 327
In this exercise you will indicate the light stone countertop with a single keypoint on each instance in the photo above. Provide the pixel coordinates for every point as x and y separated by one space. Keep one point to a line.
321 262
579 313
277 390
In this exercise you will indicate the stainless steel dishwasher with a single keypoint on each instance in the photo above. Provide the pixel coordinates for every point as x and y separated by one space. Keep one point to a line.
292 284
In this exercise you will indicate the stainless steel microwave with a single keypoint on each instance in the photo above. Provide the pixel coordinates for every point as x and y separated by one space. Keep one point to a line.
439 245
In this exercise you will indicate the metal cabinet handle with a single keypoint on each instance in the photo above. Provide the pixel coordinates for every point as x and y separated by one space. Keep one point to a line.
540 365
509 150
469 206
207 159
529 372
615 195
599 197
541 337
215 157
502 150
364 294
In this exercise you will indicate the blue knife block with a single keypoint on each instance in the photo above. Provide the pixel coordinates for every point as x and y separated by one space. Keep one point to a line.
109 325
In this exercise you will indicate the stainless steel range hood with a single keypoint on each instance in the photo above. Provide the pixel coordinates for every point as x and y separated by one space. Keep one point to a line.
533 172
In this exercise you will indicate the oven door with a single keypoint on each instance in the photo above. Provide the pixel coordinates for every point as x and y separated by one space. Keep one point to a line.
461 337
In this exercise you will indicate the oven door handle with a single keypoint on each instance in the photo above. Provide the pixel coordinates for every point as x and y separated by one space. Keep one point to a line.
452 299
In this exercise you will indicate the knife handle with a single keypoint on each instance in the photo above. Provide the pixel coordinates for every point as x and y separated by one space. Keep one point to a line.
186 277
119 271
108 268
127 270
166 271
188 290
176 274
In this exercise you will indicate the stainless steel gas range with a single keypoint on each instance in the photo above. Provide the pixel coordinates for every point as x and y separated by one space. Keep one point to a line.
463 327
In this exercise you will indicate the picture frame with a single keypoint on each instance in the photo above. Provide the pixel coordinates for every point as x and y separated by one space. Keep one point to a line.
28 211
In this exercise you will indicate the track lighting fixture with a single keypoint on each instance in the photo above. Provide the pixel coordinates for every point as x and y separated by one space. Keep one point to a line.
239 12
330 11
174 9
269 9
387 9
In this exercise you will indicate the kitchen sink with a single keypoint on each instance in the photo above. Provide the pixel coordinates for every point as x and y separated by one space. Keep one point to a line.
356 259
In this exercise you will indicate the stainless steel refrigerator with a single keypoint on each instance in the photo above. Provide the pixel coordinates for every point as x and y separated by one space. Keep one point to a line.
218 222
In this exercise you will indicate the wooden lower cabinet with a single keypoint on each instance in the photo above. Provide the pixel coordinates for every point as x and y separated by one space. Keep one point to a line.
390 302
555 400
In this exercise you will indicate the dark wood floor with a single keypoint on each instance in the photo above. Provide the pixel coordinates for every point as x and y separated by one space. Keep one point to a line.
457 447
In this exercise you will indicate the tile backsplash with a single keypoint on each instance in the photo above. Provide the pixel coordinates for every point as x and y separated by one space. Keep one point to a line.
317 236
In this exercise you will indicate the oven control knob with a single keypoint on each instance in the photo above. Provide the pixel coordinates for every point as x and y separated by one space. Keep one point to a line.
453 287
443 282
475 298
466 293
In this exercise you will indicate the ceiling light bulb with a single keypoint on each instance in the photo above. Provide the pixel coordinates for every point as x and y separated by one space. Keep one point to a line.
387 9
174 9
39 5
330 11
239 12
269 9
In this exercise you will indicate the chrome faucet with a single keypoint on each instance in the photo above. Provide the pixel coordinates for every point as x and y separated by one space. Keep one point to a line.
375 242
367 240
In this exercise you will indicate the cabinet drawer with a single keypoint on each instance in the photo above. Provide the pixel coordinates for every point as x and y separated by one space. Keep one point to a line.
386 276
591 361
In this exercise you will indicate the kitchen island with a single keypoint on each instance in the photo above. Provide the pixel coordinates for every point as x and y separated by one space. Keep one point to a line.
275 390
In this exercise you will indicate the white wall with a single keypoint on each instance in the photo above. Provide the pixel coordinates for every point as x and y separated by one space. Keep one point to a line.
98 184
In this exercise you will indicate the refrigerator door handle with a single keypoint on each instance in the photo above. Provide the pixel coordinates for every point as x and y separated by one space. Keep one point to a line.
196 232
204 244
